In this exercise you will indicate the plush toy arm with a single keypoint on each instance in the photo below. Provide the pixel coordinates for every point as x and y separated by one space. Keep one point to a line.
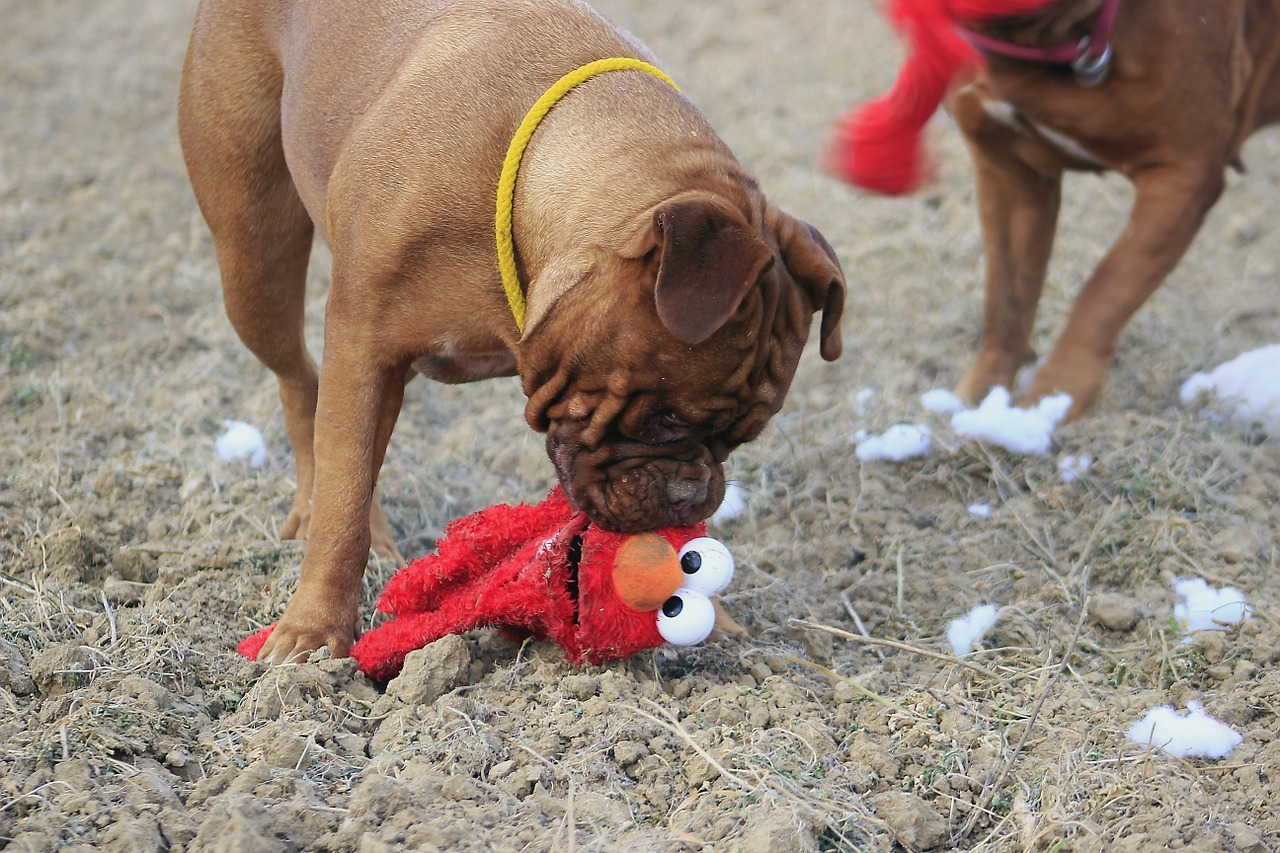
381 652
471 547
527 593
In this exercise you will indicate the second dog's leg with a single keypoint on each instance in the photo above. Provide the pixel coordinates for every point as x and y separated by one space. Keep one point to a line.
1018 201
1169 205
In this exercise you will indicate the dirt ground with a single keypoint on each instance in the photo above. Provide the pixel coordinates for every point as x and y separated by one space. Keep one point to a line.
132 559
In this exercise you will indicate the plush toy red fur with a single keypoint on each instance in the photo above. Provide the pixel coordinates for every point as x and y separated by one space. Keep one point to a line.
878 145
545 571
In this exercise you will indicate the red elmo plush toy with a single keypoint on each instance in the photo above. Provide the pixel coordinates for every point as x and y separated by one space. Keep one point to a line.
545 571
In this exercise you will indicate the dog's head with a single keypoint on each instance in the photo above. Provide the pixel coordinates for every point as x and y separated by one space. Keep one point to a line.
646 367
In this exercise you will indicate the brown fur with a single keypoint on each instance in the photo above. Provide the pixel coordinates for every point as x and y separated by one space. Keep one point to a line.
667 300
1190 81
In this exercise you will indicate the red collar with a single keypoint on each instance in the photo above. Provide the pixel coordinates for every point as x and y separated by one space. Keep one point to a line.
1090 58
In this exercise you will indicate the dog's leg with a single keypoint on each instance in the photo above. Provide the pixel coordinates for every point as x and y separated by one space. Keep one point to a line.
229 124
1019 194
1170 203
359 401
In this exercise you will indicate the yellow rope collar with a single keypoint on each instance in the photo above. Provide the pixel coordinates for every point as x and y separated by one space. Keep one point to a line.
511 166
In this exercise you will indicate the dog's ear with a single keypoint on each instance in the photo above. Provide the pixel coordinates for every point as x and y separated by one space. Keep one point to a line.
813 264
709 257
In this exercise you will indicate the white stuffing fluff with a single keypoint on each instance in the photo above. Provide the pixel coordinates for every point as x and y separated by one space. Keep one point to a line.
241 440
733 504
995 421
942 402
964 632
980 510
1246 389
862 399
899 442
1071 467
1203 607
1191 735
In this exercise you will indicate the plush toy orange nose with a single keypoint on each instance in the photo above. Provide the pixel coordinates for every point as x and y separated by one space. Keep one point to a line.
646 571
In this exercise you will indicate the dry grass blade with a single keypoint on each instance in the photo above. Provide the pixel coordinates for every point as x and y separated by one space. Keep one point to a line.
894 644
835 676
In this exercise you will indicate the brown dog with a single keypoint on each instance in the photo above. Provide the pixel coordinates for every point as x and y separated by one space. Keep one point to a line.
1188 81
668 301
1163 92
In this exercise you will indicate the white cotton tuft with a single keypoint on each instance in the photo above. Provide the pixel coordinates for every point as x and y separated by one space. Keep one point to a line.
942 402
1204 607
898 443
239 441
980 510
1071 467
734 503
1191 735
1246 389
1019 430
964 632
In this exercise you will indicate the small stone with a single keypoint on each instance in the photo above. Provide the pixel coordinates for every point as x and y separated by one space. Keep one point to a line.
460 788
431 672
787 829
580 686
127 593
913 821
1115 611
1236 544
278 746
1211 645
61 668
1246 838
628 752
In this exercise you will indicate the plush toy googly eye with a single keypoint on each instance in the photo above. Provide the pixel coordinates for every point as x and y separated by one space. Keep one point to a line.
686 618
707 565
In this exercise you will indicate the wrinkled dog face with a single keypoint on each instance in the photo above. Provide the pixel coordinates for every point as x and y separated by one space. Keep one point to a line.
651 369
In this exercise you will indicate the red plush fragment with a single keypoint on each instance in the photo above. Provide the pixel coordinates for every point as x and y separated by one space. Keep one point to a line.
878 145
545 571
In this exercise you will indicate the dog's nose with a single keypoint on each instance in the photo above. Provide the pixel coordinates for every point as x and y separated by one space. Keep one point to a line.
686 492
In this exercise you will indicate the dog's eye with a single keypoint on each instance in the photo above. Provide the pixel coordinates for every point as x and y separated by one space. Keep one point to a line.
686 618
707 565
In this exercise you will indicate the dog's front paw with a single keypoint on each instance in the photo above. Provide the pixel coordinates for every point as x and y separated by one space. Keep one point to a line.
305 628
1082 382
294 646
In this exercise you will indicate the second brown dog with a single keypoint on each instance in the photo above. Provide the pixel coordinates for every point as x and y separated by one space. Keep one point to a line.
1184 83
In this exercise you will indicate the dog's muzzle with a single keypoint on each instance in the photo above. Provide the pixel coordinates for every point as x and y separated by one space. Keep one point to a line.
641 492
